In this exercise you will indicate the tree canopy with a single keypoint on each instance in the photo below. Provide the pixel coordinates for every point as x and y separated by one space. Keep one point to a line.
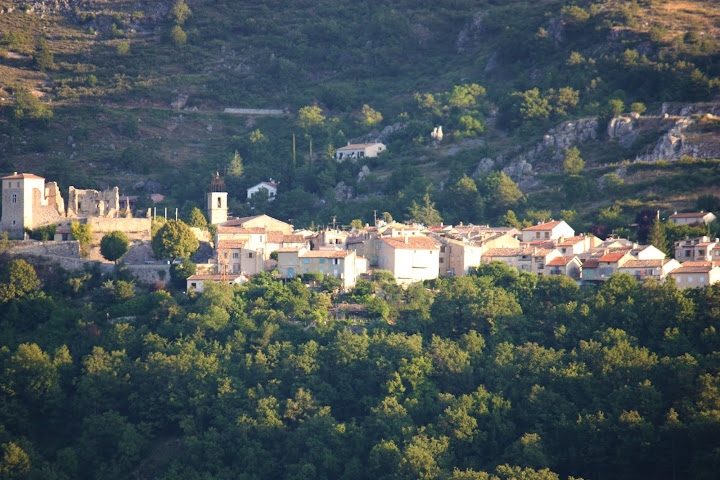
114 245
174 240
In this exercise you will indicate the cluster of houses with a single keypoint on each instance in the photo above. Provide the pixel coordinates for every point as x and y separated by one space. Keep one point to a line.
413 253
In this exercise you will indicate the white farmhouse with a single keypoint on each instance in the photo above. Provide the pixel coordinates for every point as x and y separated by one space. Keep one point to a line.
271 188
359 150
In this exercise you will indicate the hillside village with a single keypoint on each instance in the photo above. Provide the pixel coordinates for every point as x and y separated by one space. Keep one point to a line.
243 247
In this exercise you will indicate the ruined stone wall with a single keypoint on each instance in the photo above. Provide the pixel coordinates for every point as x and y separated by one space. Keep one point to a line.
93 203
143 273
139 226
69 249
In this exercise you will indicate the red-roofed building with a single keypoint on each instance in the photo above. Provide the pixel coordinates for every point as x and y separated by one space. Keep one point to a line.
570 266
611 262
533 259
547 231
410 258
576 245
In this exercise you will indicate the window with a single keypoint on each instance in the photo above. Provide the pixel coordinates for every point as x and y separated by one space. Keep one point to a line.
537 234
564 250
236 254
336 261
219 202
305 260
193 285
250 254
688 253
701 252
442 249
14 198
540 266
18 184
442 260
322 260
547 234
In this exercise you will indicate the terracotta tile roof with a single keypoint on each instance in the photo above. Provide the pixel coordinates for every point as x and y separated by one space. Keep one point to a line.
591 263
240 230
326 254
559 261
570 241
227 244
502 252
539 244
236 222
292 238
289 249
644 263
355 239
537 252
692 269
613 257
275 237
215 277
412 243
543 226
19 176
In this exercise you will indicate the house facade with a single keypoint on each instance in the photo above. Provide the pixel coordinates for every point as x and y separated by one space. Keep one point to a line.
548 231
27 202
692 218
359 151
342 264
196 283
410 258
270 187
696 274
646 269
697 249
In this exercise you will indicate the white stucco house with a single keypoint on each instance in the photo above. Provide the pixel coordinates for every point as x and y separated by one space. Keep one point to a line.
270 186
359 150
547 231
410 258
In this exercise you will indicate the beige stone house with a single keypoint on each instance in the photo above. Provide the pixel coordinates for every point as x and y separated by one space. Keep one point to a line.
342 264
696 274
657 269
697 249
570 266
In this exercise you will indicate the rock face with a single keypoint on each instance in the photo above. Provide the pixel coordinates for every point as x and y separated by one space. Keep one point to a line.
545 156
624 129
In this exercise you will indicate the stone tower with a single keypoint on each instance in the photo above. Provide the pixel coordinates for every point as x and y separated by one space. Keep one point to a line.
28 203
217 211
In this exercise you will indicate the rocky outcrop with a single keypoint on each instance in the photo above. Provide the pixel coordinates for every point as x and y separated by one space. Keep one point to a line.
624 129
545 156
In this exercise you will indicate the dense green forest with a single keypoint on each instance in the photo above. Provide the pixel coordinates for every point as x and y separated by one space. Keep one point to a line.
496 375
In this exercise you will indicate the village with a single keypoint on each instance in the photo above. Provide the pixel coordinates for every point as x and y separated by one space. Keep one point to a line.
243 247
